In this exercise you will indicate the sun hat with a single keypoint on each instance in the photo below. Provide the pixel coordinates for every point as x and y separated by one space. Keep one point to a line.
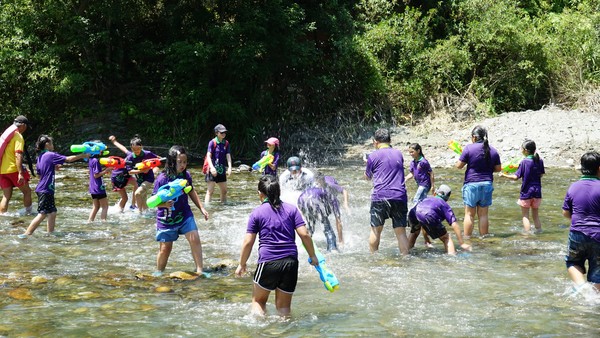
294 163
220 128
444 192
272 140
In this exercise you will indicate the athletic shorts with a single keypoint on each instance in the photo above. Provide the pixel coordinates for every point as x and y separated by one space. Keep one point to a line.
581 248
46 204
11 180
99 196
433 229
144 187
382 210
477 194
530 203
281 274
172 234
120 181
217 179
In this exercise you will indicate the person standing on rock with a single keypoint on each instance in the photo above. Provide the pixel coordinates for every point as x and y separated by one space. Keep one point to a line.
385 167
482 161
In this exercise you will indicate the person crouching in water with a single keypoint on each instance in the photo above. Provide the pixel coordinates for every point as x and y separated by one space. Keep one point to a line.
429 214
316 204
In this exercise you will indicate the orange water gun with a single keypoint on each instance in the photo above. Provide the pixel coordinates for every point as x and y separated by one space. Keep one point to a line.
114 162
150 163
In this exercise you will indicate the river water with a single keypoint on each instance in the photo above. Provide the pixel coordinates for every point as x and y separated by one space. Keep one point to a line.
95 280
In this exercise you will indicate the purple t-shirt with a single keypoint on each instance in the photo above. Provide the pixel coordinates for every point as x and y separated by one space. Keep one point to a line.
46 163
219 151
421 171
268 170
333 189
165 217
434 210
385 167
316 199
583 202
96 184
132 160
478 168
276 229
531 187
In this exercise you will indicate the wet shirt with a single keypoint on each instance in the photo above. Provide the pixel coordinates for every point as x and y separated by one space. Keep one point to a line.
219 151
583 202
421 171
304 181
46 163
268 170
531 173
333 189
478 168
166 218
132 160
276 229
385 167
316 200
434 210
96 184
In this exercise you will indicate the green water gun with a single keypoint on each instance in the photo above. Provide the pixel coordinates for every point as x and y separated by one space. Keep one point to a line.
169 191
455 146
511 167
263 162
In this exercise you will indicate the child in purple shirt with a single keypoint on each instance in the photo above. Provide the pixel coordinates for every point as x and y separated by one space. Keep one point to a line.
175 217
47 162
316 204
530 170
97 188
421 170
582 207
273 149
482 161
276 223
120 178
218 155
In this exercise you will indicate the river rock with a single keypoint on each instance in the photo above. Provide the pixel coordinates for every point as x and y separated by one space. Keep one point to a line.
20 294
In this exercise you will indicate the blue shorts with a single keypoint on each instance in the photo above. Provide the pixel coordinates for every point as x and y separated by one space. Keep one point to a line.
382 210
421 193
172 234
477 194
281 274
581 248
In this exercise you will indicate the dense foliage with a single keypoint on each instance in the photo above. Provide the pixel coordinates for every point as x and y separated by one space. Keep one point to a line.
171 70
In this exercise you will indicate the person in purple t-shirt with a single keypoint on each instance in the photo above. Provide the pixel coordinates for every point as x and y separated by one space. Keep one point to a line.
273 149
421 170
530 170
218 155
582 207
120 178
97 188
385 167
276 223
47 162
175 217
429 214
482 161
145 177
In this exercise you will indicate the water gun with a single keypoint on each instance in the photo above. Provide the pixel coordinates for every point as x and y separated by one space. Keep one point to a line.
114 162
330 282
455 146
511 167
263 162
150 163
92 148
168 192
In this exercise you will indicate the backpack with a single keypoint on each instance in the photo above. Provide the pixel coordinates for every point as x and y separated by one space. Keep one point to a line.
206 166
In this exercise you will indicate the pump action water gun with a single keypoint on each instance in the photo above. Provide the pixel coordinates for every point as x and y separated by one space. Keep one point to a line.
263 162
511 167
168 192
455 146
330 282
114 162
92 148
150 163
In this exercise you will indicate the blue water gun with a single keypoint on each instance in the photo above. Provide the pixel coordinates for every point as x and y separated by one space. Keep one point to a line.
263 162
330 282
92 148
169 191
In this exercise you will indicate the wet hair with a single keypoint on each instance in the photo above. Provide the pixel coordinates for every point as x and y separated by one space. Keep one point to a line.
136 140
382 135
480 135
41 142
171 163
416 147
590 163
269 186
530 147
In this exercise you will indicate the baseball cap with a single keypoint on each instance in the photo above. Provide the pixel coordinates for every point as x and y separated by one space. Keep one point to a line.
220 128
294 163
22 120
444 192
272 140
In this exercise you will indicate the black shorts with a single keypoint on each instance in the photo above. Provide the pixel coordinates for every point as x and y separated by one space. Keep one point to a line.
99 196
217 179
382 210
434 230
120 181
281 274
46 203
